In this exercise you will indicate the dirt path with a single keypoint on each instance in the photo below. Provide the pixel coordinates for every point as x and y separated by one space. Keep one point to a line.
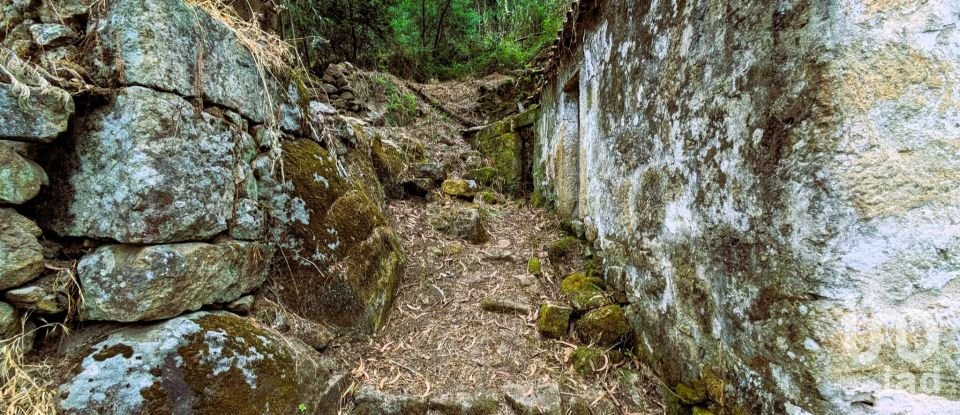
438 339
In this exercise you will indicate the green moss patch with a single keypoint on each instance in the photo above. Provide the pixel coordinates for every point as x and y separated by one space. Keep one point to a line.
553 320
604 326
584 292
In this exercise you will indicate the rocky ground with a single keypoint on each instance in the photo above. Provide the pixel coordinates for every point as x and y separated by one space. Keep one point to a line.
463 334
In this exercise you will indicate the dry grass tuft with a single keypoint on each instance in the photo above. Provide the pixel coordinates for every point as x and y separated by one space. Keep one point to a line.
25 78
27 387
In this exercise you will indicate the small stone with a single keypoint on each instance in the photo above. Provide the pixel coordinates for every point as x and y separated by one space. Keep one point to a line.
505 306
566 248
45 296
20 179
461 188
585 293
463 223
434 171
370 401
588 359
242 305
9 321
248 221
553 320
604 326
328 88
534 399
533 266
21 256
464 403
51 34
573 227
40 120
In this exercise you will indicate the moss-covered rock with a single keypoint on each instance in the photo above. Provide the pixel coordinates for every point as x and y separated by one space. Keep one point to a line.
464 223
389 162
461 188
587 359
488 196
699 410
691 395
200 364
533 266
584 292
553 319
485 176
566 248
342 258
604 326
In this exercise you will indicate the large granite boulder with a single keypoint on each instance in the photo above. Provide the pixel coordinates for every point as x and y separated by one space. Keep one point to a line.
201 363
137 283
21 256
146 167
32 110
343 257
167 45
20 179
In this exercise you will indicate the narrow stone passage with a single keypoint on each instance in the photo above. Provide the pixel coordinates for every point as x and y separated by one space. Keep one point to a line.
462 332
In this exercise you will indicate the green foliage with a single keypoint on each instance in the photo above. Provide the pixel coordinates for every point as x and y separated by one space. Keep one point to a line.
401 107
424 38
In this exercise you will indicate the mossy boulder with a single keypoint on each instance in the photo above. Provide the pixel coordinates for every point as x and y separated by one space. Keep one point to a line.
200 364
605 326
584 292
342 258
465 189
564 249
553 319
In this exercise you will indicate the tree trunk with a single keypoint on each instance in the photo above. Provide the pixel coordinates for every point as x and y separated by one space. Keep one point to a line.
443 15
423 23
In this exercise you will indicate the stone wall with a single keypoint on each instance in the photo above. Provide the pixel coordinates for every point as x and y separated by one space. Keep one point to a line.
775 186
163 176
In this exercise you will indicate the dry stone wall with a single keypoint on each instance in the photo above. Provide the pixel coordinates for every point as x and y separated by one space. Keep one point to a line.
170 175
774 185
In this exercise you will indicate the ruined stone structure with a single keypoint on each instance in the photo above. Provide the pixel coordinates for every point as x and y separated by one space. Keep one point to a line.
775 185
169 172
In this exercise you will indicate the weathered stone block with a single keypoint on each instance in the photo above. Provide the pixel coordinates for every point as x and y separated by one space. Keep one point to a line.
21 256
202 363
38 117
144 168
168 44
138 283
20 179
